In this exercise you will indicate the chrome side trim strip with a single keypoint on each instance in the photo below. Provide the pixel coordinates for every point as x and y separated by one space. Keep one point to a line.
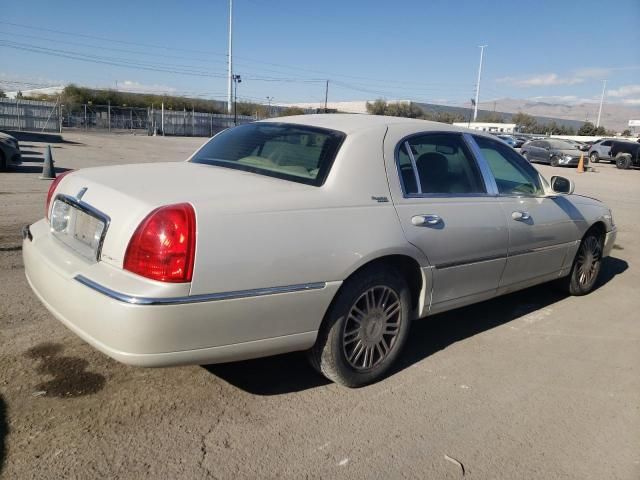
205 297
542 249
442 266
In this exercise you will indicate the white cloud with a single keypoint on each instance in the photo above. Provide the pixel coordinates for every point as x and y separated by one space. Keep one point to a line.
624 91
541 80
137 87
565 99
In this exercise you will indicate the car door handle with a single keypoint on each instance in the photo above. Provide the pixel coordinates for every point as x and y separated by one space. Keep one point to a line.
429 220
520 216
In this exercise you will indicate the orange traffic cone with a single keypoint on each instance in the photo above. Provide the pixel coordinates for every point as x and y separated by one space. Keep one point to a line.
581 164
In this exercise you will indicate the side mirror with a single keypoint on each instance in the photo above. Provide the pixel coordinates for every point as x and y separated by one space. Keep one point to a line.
562 185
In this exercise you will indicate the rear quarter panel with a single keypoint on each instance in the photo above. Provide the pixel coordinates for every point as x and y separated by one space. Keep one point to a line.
317 235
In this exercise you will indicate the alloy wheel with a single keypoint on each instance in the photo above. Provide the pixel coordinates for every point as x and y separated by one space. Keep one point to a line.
588 261
371 327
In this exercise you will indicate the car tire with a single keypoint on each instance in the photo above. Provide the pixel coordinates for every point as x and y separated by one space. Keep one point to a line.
623 162
352 348
586 265
593 158
555 162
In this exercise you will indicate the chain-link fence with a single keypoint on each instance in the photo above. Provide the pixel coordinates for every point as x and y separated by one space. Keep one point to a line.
30 115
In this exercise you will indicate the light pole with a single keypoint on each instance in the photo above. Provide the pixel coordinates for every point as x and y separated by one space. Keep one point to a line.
236 80
604 87
269 99
475 106
230 59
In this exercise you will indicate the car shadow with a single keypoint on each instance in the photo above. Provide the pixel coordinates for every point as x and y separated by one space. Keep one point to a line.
32 169
4 431
291 372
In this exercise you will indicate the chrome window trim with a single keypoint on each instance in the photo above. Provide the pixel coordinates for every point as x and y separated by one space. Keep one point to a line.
413 165
420 194
205 297
89 210
485 170
543 182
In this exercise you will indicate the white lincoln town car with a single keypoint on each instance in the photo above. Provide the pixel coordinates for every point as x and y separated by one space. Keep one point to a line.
324 233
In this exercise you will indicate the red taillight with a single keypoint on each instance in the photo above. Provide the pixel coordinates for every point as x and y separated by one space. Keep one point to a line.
52 189
163 246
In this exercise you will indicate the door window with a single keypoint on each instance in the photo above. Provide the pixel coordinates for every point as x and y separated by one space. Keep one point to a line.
606 144
441 162
513 174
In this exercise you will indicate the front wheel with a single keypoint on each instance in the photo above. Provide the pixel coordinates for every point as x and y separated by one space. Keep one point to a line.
593 158
555 161
365 328
586 266
623 162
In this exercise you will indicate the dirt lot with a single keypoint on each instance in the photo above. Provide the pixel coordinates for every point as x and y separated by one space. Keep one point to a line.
531 385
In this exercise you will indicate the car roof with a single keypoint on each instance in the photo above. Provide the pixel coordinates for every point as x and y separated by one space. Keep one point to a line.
356 122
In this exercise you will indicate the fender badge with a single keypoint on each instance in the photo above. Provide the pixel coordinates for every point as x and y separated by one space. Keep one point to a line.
380 199
81 193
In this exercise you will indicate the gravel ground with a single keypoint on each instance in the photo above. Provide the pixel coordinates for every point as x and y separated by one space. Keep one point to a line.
531 385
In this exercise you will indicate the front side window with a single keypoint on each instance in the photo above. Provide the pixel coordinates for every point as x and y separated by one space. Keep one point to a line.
443 165
513 174
292 152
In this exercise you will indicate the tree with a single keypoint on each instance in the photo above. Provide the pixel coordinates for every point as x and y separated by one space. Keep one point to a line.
525 123
587 129
625 133
19 94
443 116
291 111
2 94
492 117
378 107
396 109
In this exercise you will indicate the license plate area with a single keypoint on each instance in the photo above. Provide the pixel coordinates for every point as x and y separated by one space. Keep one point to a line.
79 226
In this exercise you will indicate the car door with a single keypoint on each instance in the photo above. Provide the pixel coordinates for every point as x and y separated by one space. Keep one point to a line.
446 211
604 149
542 228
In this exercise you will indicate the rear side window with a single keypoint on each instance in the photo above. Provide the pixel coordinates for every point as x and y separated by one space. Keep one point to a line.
443 165
513 174
292 152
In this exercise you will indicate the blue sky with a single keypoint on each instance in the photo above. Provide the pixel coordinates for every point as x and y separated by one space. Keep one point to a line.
420 50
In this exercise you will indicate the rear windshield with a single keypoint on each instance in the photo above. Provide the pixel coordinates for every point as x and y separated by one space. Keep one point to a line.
292 152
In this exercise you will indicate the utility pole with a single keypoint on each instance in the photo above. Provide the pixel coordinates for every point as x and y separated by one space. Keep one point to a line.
109 114
604 87
269 99
236 80
475 107
326 95
230 59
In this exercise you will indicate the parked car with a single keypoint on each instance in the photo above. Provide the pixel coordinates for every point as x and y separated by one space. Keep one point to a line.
583 147
554 152
325 233
626 154
9 151
508 139
520 141
600 150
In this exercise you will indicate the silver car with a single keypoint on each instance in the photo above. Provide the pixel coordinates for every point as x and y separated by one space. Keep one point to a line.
554 152
324 233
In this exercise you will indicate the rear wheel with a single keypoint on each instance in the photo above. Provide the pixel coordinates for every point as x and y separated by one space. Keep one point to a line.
365 328
623 161
586 265
555 161
593 158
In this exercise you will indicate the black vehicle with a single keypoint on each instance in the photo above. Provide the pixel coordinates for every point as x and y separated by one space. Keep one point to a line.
554 152
9 151
625 154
